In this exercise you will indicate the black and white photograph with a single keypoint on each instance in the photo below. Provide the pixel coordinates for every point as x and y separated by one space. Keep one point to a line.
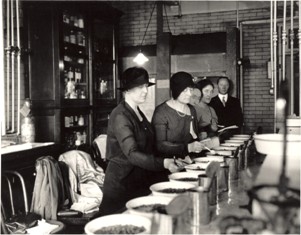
150 117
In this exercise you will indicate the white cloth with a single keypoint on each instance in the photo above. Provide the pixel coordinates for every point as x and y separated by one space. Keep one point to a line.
43 228
85 176
101 142
223 97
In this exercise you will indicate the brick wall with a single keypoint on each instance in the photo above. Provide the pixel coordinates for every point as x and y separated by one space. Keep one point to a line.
258 104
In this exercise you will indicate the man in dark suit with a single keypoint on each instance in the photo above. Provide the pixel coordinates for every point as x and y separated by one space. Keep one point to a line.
227 108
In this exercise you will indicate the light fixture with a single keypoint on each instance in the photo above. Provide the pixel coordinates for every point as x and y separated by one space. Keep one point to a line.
140 59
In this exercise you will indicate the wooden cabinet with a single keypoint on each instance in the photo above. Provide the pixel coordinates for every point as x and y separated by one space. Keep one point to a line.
71 67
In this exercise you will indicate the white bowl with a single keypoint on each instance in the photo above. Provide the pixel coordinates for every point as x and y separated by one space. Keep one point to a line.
156 188
146 200
228 148
197 167
242 135
272 144
209 158
221 153
235 141
231 144
118 219
182 176
239 138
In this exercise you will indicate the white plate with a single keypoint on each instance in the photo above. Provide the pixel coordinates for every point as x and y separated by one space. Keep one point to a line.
118 219
147 200
155 188
182 175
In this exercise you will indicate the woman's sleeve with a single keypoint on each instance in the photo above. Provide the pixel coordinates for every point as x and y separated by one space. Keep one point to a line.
124 133
214 122
163 146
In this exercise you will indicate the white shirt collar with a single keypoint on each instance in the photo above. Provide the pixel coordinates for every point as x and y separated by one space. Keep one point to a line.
221 96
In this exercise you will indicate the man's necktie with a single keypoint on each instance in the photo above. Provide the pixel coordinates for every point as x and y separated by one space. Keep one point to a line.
224 101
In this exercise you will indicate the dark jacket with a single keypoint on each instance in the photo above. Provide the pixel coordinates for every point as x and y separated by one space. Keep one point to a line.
229 115
131 166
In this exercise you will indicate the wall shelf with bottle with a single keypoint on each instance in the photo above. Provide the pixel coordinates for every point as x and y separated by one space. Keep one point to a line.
71 67
75 57
77 128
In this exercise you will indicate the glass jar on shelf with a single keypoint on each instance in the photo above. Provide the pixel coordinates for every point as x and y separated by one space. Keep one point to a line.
72 37
81 21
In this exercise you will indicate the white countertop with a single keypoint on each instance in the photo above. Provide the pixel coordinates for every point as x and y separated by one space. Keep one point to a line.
21 147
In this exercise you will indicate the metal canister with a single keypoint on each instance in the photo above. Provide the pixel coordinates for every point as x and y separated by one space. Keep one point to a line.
199 210
223 177
233 168
209 184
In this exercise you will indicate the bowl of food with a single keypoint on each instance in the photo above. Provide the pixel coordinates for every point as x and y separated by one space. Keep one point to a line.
242 136
239 138
147 205
119 224
189 177
235 141
231 144
170 189
200 167
226 148
210 158
226 153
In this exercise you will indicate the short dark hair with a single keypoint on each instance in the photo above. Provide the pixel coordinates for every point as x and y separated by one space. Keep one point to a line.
203 83
223 77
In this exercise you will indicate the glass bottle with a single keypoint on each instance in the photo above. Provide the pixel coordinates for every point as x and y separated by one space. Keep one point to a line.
27 125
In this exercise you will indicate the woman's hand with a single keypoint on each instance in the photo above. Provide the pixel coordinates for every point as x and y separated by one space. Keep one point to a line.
171 165
195 147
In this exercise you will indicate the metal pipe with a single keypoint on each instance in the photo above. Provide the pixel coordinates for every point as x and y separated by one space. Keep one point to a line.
18 68
2 78
299 35
271 48
263 21
283 40
12 70
241 95
237 14
292 61
275 60
8 55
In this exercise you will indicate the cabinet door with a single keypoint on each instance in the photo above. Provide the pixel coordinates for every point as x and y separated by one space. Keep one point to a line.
43 56
104 62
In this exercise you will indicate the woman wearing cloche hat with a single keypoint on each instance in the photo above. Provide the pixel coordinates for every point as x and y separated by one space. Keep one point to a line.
130 141
175 120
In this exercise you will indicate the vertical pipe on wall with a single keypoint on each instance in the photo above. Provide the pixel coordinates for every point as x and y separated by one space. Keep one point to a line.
18 67
283 40
12 70
2 103
275 60
271 48
292 60
241 67
8 54
299 35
